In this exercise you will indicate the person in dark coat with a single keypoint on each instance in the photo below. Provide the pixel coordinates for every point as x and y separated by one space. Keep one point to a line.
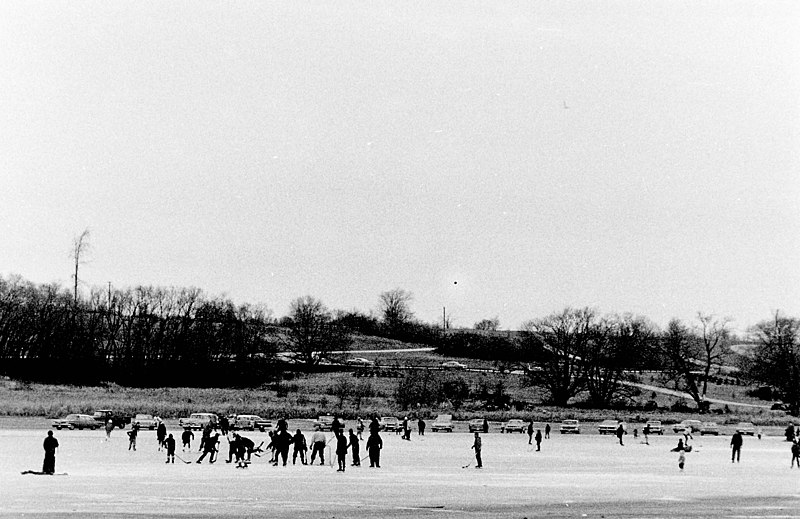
169 443
374 446
341 450
132 434
530 432
300 447
161 434
421 426
336 427
547 431
187 436
224 425
50 445
620 433
795 455
209 448
476 445
736 446
354 449
406 430
281 441
233 447
538 439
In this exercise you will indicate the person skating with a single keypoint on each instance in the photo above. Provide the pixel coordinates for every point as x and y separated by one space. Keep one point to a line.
538 439
300 447
547 431
679 447
374 446
186 437
132 434
736 446
789 433
161 433
337 426
341 451
109 428
233 447
169 444
646 432
50 445
354 449
209 448
245 447
318 447
281 440
206 435
224 425
476 445
530 432
360 428
620 433
406 430
795 455
421 427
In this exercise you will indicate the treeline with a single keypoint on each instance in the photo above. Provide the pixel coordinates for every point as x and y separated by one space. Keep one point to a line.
138 336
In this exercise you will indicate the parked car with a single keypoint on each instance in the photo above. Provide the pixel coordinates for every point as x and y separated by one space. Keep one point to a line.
118 419
359 361
199 421
570 427
709 428
390 423
476 425
513 425
325 423
746 428
443 422
76 421
689 426
250 422
608 427
451 364
655 427
144 421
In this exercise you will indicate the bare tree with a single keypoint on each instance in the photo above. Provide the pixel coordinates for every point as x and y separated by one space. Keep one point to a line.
80 246
395 306
776 358
679 349
312 334
558 343
714 341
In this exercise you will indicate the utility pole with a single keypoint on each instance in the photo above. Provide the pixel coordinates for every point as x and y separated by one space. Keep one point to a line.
444 318
108 304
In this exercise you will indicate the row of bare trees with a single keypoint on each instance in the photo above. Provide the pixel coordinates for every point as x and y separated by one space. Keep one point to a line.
130 330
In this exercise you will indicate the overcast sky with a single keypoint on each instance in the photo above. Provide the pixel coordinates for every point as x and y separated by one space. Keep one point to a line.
499 159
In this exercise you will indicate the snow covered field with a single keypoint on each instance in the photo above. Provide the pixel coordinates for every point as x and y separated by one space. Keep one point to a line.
573 476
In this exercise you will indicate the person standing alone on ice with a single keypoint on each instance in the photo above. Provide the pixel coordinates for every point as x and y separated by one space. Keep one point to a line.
50 445
109 428
547 431
795 455
538 439
341 450
374 446
132 434
477 446
620 432
736 446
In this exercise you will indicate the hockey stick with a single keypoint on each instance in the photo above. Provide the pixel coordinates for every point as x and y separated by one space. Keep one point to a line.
183 460
467 465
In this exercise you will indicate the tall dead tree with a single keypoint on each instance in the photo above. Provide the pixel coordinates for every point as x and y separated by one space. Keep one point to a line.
80 246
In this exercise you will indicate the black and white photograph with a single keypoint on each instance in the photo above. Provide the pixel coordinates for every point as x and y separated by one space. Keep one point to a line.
419 259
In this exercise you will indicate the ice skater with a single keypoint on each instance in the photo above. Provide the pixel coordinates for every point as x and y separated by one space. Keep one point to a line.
169 444
109 428
187 438
374 447
209 449
355 452
538 440
161 433
132 434
476 445
646 433
530 432
421 427
318 442
795 455
620 433
736 447
547 431
300 447
50 445
341 451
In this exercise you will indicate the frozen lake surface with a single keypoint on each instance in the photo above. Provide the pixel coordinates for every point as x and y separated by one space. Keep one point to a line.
573 476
